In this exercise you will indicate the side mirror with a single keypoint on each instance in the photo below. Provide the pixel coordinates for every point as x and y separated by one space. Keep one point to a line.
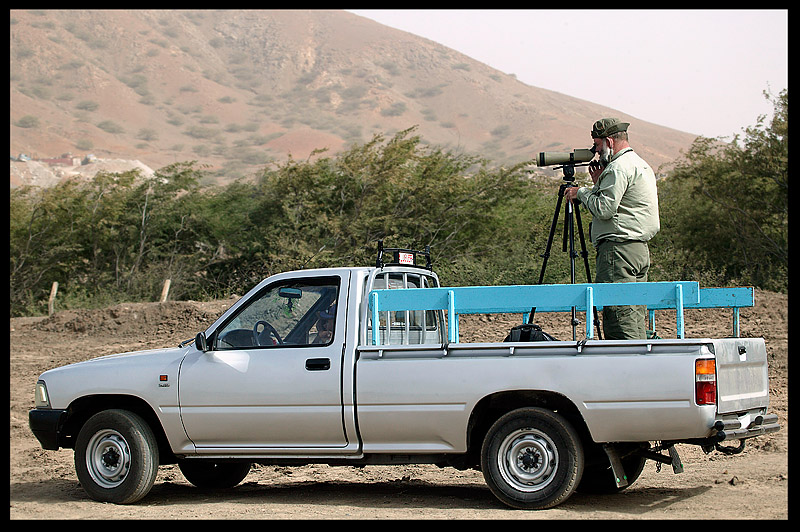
200 342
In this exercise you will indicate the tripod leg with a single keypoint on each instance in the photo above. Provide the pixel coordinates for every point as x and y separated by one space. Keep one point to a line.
569 230
585 255
570 222
546 254
565 235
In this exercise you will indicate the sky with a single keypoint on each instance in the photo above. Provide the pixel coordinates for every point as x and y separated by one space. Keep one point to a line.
699 71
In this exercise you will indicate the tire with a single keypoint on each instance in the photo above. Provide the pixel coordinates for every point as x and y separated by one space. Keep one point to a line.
207 474
116 457
532 458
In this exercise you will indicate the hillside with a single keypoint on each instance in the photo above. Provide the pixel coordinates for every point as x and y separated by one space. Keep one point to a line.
237 89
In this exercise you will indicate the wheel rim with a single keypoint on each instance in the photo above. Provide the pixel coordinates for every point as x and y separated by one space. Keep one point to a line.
527 459
108 458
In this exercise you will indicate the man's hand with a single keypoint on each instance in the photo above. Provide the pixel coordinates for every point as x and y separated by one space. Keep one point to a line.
595 169
571 193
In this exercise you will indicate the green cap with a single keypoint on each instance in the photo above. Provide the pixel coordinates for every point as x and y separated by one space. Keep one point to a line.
608 126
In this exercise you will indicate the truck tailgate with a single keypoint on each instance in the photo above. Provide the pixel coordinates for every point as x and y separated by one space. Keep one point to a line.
742 382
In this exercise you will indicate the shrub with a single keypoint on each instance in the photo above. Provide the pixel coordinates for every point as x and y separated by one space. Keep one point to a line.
27 121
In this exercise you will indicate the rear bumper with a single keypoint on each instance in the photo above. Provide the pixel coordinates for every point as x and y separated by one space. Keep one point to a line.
734 427
46 425
745 426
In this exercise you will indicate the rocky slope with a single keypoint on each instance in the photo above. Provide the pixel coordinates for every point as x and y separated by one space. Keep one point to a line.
238 89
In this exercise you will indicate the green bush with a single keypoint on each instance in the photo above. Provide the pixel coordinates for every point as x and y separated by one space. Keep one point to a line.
725 208
110 126
724 216
27 121
396 109
87 105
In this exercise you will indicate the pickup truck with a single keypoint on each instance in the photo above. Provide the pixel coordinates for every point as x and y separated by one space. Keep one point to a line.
363 365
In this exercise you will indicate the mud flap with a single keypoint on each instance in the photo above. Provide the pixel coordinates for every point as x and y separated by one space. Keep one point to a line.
677 465
620 478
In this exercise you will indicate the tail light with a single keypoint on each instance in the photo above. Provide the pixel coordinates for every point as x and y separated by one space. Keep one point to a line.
705 381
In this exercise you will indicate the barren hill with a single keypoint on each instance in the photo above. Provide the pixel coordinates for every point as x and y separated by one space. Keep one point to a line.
237 89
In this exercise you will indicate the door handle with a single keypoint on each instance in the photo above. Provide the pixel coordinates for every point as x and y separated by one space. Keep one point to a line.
318 364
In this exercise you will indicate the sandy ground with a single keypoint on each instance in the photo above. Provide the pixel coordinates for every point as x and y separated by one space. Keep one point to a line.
43 484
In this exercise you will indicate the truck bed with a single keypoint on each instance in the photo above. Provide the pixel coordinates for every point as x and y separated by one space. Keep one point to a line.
625 390
631 390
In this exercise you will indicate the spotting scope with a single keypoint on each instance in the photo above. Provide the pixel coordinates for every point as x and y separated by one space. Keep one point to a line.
549 158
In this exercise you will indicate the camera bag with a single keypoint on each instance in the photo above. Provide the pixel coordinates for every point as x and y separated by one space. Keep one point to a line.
529 332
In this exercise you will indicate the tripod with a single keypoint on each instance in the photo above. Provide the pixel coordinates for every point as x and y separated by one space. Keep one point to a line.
572 216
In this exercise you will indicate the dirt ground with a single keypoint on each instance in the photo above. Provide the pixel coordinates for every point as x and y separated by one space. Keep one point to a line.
43 484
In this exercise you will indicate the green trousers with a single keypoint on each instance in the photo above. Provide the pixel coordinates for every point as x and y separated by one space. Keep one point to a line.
623 262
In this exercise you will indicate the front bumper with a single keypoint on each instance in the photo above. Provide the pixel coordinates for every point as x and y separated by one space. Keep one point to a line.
46 425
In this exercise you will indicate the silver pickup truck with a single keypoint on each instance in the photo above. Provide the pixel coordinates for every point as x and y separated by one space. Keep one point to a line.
356 366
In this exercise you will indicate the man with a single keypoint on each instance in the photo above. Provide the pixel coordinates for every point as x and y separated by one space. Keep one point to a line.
624 207
325 324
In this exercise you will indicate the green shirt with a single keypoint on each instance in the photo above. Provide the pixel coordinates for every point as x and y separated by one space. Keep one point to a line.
624 201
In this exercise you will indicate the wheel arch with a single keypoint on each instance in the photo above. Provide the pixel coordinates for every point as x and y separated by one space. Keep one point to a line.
490 408
81 409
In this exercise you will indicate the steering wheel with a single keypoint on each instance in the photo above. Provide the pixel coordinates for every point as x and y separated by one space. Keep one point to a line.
268 328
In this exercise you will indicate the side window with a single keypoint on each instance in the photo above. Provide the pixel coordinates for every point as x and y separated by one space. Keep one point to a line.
409 326
294 312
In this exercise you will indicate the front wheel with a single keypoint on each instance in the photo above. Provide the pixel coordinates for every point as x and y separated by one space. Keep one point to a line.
116 457
532 458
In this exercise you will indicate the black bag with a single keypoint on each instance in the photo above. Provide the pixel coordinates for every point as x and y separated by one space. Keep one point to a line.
528 332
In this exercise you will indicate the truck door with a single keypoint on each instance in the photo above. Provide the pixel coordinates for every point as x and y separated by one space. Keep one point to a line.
273 376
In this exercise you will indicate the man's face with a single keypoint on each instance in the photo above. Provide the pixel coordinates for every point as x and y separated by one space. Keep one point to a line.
602 147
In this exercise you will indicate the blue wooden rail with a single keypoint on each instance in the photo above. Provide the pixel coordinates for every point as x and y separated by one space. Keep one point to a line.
734 298
556 298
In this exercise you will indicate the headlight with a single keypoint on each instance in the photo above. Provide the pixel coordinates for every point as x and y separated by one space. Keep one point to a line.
41 399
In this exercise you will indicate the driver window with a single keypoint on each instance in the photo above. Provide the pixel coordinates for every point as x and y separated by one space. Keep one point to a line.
295 312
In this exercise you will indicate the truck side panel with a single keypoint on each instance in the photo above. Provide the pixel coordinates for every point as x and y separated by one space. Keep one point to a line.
420 401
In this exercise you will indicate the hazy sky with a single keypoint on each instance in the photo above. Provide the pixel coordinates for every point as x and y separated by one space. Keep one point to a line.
698 71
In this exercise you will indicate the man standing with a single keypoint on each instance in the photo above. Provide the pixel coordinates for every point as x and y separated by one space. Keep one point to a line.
624 207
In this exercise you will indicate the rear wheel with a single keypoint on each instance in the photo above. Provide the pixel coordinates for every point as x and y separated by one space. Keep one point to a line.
532 459
116 457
